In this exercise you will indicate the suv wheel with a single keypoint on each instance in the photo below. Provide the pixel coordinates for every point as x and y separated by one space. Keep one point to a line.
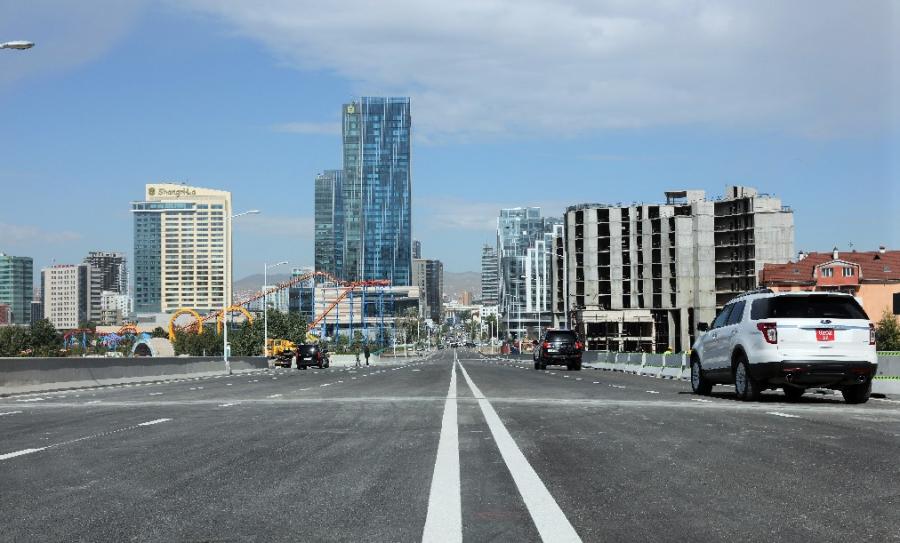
746 388
793 394
857 393
699 384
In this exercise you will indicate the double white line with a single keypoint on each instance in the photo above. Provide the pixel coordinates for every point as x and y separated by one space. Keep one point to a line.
444 520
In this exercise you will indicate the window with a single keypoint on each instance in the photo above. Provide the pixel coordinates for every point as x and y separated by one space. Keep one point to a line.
848 271
737 313
827 272
722 317
815 306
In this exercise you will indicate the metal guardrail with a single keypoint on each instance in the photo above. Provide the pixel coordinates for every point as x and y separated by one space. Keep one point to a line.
677 366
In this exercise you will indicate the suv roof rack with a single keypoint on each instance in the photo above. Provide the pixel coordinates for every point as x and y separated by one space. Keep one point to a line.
757 290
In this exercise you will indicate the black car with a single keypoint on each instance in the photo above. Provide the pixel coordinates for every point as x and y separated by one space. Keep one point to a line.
310 354
558 347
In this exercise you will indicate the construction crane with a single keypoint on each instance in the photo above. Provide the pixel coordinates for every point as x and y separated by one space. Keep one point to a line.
348 288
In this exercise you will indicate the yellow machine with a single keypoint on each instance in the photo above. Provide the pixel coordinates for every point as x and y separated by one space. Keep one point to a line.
275 347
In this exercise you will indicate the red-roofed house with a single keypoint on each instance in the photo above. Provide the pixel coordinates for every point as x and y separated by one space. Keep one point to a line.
872 276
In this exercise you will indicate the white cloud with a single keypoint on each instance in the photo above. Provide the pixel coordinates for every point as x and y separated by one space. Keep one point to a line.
481 68
328 129
22 234
66 34
449 214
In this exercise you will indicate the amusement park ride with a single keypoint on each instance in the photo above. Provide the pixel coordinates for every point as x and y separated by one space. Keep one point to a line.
345 289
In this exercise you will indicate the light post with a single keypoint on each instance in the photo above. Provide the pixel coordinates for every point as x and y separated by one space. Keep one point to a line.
266 268
227 302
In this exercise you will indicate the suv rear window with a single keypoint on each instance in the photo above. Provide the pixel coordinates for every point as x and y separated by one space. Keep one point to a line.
560 336
807 307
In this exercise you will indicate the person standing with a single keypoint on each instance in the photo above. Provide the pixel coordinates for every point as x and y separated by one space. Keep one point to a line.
367 353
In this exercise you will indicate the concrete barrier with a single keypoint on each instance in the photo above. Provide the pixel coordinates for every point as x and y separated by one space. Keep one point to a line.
677 366
19 375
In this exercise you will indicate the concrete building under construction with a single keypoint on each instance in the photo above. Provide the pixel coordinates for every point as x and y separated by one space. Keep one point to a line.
640 277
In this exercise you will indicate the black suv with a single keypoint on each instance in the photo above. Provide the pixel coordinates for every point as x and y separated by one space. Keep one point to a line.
559 347
310 354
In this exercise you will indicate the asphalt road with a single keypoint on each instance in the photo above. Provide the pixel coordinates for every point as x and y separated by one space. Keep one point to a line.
479 450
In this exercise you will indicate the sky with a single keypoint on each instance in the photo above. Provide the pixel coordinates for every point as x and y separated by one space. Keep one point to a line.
514 103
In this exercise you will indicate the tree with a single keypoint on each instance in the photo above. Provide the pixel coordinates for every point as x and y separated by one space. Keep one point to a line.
887 333
45 340
159 331
14 340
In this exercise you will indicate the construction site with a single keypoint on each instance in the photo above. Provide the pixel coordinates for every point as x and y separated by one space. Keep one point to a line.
641 277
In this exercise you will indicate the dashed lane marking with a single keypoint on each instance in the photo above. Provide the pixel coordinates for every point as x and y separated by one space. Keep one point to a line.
699 400
10 413
156 394
152 422
651 392
780 414
31 400
20 453
275 396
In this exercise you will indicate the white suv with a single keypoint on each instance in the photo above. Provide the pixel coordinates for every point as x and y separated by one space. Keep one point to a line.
789 340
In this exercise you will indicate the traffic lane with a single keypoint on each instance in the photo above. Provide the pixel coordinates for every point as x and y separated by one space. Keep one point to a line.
46 426
678 472
492 508
354 471
629 386
261 384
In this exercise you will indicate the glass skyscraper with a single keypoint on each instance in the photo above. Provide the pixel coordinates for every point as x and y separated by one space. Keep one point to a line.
329 222
377 190
17 286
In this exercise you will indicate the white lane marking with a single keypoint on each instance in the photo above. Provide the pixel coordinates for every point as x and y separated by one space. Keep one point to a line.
275 396
92 401
780 414
596 382
617 386
10 413
325 385
228 384
20 453
699 400
444 519
156 394
549 519
192 388
31 400
226 405
152 422
651 392
199 388
307 388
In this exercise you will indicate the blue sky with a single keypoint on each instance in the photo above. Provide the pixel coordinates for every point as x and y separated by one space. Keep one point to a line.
514 103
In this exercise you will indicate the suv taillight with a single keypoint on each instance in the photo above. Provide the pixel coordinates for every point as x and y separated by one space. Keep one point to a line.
871 334
545 345
769 331
579 345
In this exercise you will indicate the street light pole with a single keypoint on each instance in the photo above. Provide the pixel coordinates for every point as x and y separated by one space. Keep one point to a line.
226 301
266 269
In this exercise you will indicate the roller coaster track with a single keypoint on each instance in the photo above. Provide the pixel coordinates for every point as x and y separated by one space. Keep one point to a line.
346 287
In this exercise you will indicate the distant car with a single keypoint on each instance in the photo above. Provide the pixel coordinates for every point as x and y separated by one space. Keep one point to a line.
310 354
558 347
470 344
791 340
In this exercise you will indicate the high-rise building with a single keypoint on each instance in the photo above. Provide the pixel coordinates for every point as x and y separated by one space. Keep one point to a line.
428 275
301 298
37 311
641 277
16 284
66 295
416 249
490 276
329 222
5 315
523 238
182 249
115 308
377 190
111 270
